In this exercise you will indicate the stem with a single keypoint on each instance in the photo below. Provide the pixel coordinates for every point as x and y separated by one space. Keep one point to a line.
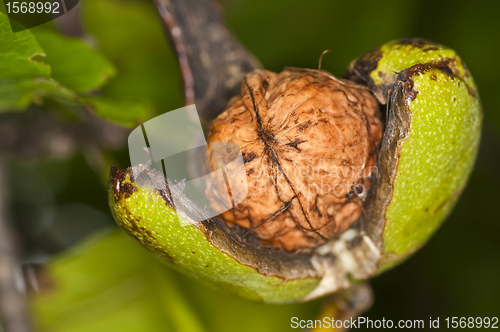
70 24
346 304
213 63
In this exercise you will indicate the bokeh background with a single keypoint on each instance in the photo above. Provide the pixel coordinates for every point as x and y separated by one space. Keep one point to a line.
96 279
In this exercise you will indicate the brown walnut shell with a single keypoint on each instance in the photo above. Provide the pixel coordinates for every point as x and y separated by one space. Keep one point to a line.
309 143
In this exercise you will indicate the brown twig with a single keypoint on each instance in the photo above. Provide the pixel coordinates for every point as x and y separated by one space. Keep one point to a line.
176 39
13 307
70 24
213 63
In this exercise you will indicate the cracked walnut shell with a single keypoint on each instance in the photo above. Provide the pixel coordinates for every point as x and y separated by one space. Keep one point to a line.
309 143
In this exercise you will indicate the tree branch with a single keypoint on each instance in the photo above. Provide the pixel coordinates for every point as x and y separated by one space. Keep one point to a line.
70 24
213 63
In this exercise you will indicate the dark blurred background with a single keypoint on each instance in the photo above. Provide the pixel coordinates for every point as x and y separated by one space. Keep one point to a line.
59 202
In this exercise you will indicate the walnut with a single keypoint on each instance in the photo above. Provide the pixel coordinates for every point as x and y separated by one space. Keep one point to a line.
309 144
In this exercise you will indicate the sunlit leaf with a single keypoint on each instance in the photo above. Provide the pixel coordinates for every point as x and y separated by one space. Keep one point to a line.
134 40
74 64
17 94
122 111
20 54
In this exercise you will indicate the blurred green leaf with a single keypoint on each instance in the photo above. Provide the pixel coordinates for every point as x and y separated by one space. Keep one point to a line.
20 53
122 111
130 34
69 66
17 94
110 283
74 64
24 77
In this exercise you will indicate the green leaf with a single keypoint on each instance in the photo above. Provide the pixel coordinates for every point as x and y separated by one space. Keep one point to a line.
24 78
16 95
110 283
136 43
20 53
74 64
122 111
68 66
